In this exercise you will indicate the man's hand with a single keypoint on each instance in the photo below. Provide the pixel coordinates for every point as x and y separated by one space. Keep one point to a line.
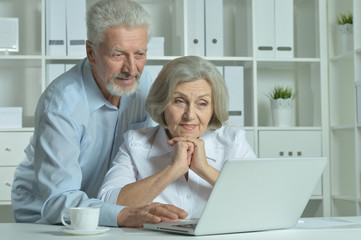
152 213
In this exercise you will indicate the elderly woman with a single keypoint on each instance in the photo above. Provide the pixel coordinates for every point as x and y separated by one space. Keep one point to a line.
178 161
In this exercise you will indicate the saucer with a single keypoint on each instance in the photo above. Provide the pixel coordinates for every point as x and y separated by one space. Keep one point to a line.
99 230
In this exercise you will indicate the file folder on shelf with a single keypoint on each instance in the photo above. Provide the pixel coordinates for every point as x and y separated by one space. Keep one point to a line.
195 27
55 28
214 27
265 28
76 27
233 76
53 70
274 20
9 34
284 28
156 46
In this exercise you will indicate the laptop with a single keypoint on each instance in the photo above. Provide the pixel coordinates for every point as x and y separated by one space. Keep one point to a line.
254 195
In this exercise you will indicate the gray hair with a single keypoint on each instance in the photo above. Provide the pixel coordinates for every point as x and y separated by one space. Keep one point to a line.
187 69
106 14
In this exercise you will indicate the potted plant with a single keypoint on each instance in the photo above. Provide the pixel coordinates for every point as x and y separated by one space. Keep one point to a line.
345 24
282 104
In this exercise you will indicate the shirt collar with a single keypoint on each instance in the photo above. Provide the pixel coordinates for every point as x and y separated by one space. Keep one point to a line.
160 146
95 97
212 146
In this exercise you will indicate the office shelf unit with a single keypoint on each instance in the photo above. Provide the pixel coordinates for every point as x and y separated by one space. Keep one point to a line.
23 75
345 128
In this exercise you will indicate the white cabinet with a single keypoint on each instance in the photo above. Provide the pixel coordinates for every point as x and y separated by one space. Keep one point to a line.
12 145
290 143
6 179
345 129
23 74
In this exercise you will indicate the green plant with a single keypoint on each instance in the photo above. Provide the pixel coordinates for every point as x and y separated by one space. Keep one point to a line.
281 92
344 18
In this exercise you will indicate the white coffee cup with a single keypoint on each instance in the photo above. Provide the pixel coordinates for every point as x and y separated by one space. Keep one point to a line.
82 218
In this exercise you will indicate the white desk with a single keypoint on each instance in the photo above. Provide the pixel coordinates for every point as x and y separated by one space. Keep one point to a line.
21 231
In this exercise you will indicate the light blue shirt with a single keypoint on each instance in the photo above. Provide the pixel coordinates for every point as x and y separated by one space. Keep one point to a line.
77 133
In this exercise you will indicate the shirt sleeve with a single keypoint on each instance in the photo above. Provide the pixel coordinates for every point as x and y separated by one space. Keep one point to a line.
59 173
122 172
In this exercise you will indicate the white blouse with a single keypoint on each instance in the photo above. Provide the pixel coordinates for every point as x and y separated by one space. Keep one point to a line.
146 152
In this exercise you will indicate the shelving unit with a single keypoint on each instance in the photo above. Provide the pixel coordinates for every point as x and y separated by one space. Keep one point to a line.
23 74
344 72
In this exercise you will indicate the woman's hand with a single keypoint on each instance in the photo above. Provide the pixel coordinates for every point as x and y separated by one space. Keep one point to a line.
198 160
182 156
146 190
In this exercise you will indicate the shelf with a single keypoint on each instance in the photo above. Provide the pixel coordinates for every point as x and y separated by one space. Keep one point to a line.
161 58
284 65
64 58
318 198
343 127
246 128
220 60
343 57
20 57
295 60
24 129
345 198
229 59
15 66
290 128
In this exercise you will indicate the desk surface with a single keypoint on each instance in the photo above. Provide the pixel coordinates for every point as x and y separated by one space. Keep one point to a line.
319 229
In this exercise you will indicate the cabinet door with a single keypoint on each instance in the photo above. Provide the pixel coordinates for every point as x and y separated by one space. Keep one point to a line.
289 143
6 179
12 145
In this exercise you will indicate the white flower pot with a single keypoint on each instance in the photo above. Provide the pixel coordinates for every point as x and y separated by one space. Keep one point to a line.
282 112
346 37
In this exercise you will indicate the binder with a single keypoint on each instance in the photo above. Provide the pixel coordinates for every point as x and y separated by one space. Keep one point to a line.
55 28
76 27
195 27
214 27
284 28
9 34
265 27
53 70
156 46
234 77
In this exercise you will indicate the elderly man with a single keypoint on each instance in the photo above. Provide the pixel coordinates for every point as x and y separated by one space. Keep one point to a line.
80 120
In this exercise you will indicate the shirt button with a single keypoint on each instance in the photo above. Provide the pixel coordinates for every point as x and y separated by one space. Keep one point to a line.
188 196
